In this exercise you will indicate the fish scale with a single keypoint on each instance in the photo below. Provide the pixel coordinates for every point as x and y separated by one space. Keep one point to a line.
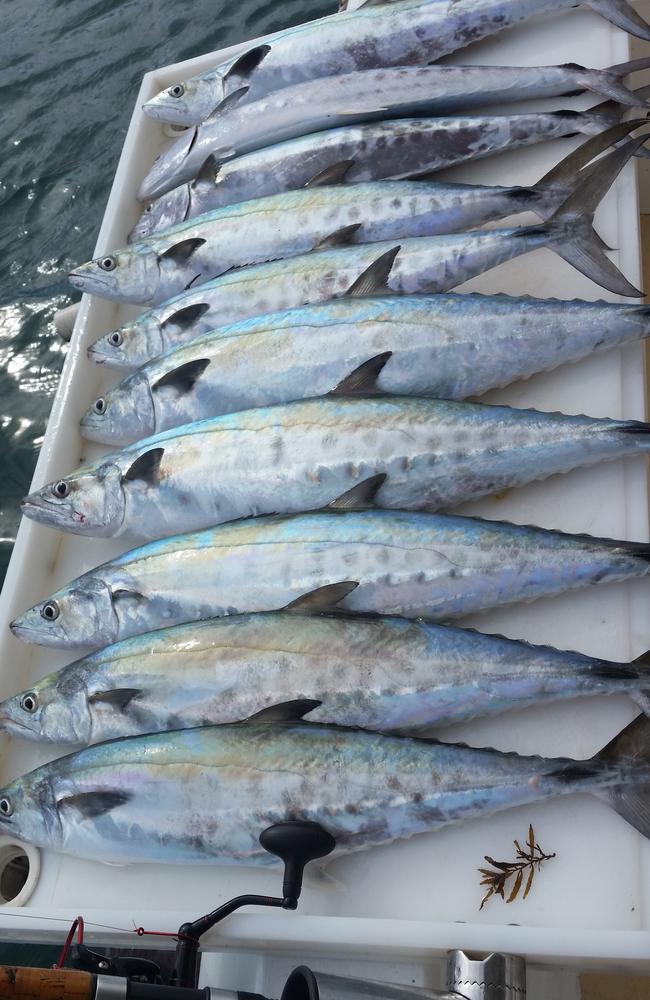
424 565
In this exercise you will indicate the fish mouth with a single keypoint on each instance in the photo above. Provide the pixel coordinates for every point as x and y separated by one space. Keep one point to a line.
81 281
25 632
166 111
43 511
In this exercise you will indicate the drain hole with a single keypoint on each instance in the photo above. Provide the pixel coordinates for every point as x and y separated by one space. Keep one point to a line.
14 872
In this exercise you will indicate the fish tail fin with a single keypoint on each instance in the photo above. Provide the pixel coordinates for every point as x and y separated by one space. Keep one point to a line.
566 174
642 695
570 230
609 83
625 774
623 15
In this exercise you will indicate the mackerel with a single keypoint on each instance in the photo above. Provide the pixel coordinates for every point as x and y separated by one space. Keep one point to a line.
446 346
289 224
424 454
385 674
202 796
417 565
370 96
397 34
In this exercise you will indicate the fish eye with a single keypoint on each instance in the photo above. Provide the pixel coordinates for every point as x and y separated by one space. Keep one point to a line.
177 91
29 702
61 489
99 406
107 263
6 807
115 339
50 611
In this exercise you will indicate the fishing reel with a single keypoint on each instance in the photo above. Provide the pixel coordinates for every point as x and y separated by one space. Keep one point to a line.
296 843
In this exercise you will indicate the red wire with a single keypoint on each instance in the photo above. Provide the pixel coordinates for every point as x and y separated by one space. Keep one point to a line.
77 925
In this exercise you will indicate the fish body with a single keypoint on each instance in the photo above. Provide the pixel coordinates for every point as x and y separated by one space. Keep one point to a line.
445 346
386 150
293 223
434 454
571 329
395 34
384 674
417 565
204 795
370 95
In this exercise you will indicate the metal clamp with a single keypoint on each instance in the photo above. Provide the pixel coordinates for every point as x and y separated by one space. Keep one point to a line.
497 977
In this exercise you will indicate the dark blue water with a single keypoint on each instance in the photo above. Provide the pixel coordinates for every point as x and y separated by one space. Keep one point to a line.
69 74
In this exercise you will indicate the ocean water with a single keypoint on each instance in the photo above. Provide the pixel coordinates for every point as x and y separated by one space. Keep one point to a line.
69 74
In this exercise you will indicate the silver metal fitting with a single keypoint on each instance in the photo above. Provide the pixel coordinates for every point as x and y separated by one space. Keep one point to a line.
497 977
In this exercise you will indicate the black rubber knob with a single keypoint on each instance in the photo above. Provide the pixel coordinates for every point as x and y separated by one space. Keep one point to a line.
296 843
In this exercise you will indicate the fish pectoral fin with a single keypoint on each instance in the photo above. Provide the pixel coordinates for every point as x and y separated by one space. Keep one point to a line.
146 468
227 104
287 711
117 698
323 599
91 805
364 378
122 595
341 237
374 280
248 61
188 315
184 378
181 252
360 497
334 174
207 174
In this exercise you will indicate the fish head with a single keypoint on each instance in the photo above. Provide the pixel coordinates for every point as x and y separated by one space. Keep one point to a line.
123 414
189 102
54 709
88 502
131 274
131 345
28 810
171 167
166 211
82 614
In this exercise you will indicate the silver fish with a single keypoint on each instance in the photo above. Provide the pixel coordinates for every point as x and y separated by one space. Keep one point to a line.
398 34
418 565
367 96
446 346
387 150
385 674
290 224
204 795
427 454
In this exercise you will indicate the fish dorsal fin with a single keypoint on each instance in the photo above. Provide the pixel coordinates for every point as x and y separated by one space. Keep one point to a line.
208 173
228 103
181 252
334 174
184 378
361 496
324 599
91 805
288 711
146 468
248 61
339 238
188 315
117 698
363 380
374 280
